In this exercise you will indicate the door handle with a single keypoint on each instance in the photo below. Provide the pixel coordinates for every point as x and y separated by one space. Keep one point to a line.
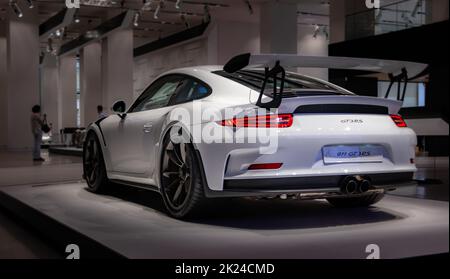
147 127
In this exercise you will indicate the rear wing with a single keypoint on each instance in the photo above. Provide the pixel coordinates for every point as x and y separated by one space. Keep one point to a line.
398 71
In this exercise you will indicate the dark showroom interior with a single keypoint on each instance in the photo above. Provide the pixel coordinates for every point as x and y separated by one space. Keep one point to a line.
356 91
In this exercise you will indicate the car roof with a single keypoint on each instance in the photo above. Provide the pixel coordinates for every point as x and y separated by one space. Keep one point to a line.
206 73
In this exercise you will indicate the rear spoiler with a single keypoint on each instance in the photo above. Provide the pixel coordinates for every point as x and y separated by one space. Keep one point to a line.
398 71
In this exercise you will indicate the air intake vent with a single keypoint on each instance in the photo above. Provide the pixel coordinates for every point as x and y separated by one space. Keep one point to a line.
342 108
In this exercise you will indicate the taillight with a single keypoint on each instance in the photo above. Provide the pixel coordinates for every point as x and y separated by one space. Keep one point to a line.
260 121
267 166
398 120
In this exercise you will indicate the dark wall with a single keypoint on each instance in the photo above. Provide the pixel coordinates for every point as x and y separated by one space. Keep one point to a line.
426 44
363 86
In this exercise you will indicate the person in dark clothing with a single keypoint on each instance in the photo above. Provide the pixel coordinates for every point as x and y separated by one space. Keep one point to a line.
101 114
36 130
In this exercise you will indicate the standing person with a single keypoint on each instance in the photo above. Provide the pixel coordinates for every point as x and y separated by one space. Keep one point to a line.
36 130
101 113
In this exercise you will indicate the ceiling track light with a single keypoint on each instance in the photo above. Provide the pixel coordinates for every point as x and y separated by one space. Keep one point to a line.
15 7
178 4
416 8
136 19
30 4
249 6
325 32
320 29
49 45
316 31
158 9
146 5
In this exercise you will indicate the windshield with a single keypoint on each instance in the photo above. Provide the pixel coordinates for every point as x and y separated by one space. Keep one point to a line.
294 83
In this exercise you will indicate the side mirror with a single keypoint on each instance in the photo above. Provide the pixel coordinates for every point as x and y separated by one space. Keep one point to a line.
119 107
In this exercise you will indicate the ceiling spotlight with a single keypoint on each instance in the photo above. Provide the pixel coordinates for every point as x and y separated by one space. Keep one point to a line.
92 34
207 16
146 6
58 33
325 31
49 45
158 9
416 8
178 4
136 19
316 31
76 18
30 4
16 8
249 6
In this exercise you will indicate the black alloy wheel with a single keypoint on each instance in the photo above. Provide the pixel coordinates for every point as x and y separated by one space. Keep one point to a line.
93 164
181 186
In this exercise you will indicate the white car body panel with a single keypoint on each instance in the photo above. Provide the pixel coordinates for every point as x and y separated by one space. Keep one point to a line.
132 154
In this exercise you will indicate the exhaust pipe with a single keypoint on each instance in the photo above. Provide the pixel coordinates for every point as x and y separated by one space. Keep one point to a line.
349 186
355 185
364 186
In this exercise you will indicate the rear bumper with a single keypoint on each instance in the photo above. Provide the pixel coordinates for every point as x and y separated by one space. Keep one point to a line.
315 184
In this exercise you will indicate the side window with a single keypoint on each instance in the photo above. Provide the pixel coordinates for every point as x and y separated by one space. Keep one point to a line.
158 94
192 89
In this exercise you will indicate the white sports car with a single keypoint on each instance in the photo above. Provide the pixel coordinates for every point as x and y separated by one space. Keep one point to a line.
237 131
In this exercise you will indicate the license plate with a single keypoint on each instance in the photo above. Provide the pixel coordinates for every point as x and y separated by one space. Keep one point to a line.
339 154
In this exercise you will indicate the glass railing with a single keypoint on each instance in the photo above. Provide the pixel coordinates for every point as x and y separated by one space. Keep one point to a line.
391 17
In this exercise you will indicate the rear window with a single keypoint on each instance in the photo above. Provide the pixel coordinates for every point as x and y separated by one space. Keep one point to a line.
294 84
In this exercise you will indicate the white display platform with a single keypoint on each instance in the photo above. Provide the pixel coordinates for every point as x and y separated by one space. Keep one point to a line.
134 225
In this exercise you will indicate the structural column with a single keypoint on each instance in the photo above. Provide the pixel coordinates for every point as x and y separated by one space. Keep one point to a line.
278 27
49 91
91 82
117 68
22 76
67 90
3 87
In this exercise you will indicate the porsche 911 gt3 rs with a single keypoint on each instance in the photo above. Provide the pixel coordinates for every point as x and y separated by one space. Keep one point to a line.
330 143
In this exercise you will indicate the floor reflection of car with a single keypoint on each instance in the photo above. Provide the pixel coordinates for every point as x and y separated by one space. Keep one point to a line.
332 143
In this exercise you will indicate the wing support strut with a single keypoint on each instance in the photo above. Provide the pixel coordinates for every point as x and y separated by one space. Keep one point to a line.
277 73
402 77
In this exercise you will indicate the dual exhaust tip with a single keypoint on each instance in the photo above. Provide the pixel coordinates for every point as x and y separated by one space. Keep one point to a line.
355 185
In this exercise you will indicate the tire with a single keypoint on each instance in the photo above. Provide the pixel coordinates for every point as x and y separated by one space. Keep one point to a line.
94 170
181 184
360 201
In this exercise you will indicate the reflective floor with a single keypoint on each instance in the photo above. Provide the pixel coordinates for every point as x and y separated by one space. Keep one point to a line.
10 159
17 168
432 177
